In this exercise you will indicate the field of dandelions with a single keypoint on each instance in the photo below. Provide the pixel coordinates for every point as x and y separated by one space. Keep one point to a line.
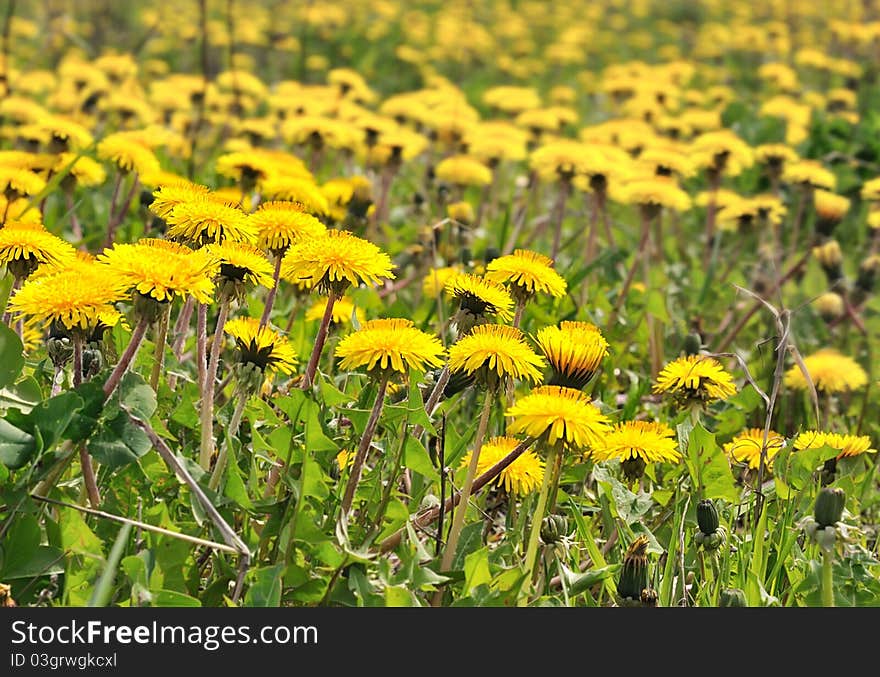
493 303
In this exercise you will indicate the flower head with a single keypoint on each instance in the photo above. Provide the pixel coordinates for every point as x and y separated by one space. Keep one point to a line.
388 345
335 260
521 477
746 446
563 414
280 224
464 170
650 441
575 350
695 378
205 221
260 346
654 192
162 270
830 372
342 312
128 154
25 246
478 298
77 298
18 182
169 195
436 279
241 265
848 445
527 273
494 350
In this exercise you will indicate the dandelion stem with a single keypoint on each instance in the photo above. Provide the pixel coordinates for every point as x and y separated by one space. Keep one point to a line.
206 447
181 326
320 339
361 456
461 512
537 518
202 344
7 315
134 343
223 455
827 577
159 351
89 479
270 299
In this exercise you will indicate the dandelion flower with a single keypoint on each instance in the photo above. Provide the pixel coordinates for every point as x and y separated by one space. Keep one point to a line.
463 170
436 279
575 351
387 345
128 154
527 273
521 477
260 346
25 246
695 378
830 372
479 297
343 310
16 182
242 263
745 447
169 195
204 221
162 270
496 350
335 260
563 414
650 441
848 445
280 224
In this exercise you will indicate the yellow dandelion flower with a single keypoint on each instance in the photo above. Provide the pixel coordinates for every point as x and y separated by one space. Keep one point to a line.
342 312
850 445
527 273
463 170
521 477
871 190
435 281
162 270
167 196
775 155
496 350
205 221
655 191
746 446
575 351
480 297
809 173
387 345
294 189
17 182
246 167
85 171
462 212
830 305
810 439
25 246
695 378
128 154
242 263
261 346
335 260
830 371
651 441
280 224
562 414
76 298
829 206
65 134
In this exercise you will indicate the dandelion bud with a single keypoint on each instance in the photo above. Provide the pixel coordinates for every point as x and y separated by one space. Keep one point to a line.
553 529
60 349
868 275
147 308
732 597
829 506
830 258
830 210
693 342
633 468
830 306
707 517
634 573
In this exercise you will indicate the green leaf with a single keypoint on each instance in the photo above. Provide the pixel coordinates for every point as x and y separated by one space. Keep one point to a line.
797 467
265 590
11 356
53 416
708 466
316 440
416 458
235 488
22 395
576 582
23 556
476 569
656 305
103 591
85 421
331 395
119 442
471 538
172 598
16 446
137 395
399 596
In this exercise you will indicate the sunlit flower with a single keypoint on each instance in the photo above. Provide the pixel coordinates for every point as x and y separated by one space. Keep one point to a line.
242 263
848 445
521 477
25 246
205 221
830 371
527 273
343 310
562 414
280 224
128 154
261 346
746 446
388 345
651 441
335 260
498 351
463 170
436 279
169 195
695 378
479 297
575 350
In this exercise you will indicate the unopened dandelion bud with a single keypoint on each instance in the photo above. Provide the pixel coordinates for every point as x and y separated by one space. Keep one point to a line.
732 597
60 349
553 529
92 361
707 517
633 468
248 377
147 308
829 506
830 306
693 342
830 258
634 572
